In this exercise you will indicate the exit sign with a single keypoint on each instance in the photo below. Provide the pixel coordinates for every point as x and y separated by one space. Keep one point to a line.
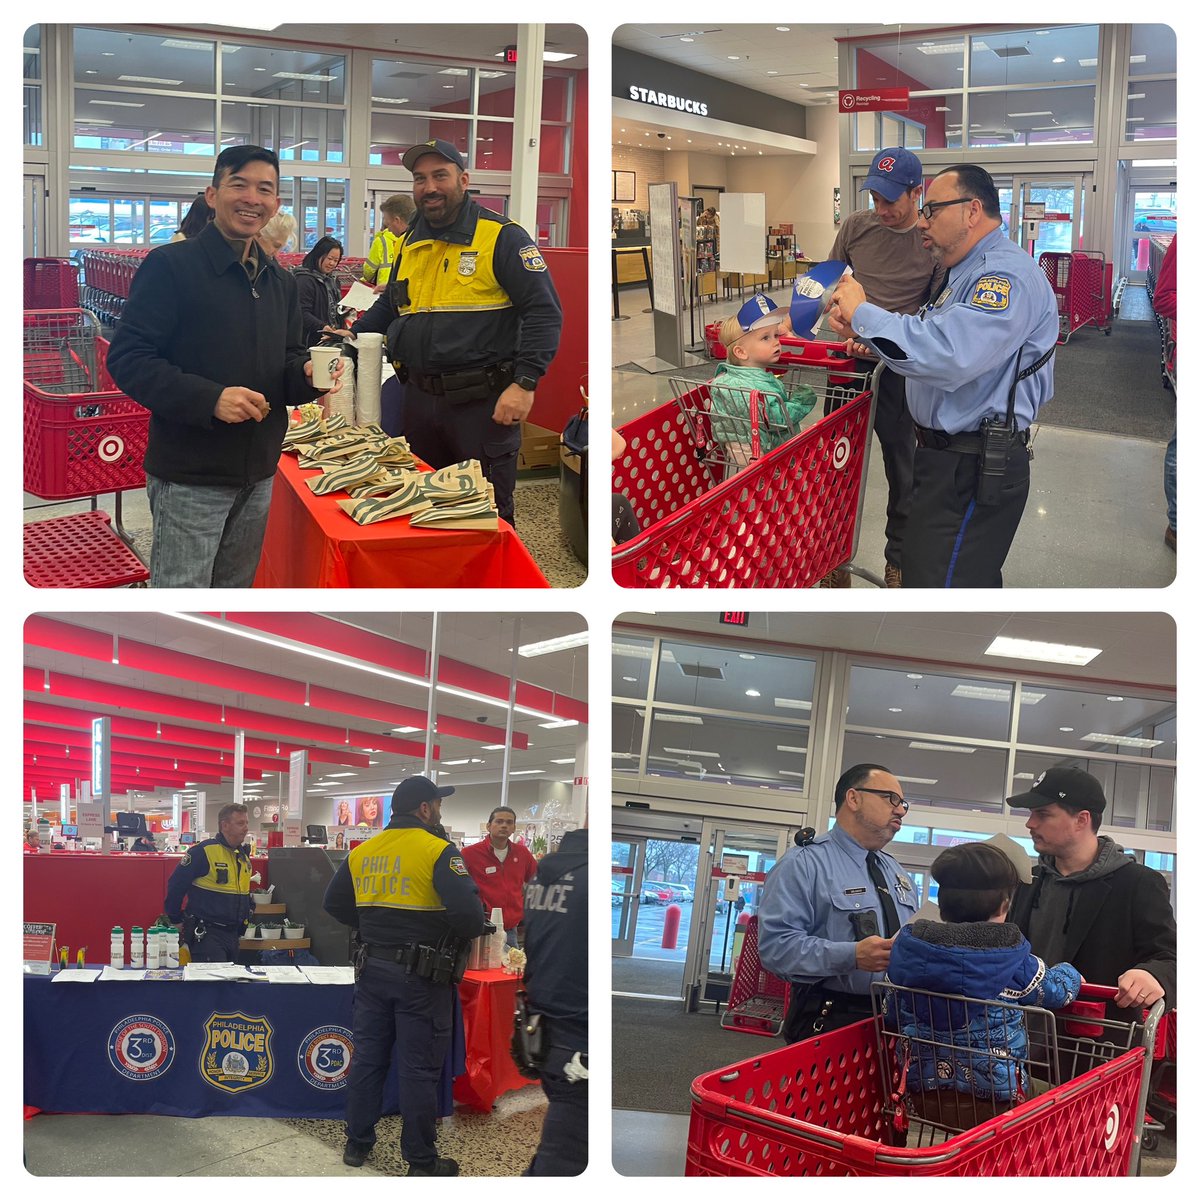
732 618
510 55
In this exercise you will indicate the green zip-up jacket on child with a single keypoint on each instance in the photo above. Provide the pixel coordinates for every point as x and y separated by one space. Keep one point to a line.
730 405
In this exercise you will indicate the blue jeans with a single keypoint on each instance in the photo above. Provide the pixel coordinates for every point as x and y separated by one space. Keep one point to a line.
1169 479
393 1008
206 536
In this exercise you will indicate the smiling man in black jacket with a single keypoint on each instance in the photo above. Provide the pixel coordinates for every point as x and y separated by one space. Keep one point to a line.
211 343
1090 904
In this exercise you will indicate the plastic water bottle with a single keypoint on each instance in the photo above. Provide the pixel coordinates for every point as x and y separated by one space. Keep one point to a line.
136 948
171 942
153 948
116 948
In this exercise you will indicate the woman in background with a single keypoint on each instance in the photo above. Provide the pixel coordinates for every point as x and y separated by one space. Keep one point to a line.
276 235
319 291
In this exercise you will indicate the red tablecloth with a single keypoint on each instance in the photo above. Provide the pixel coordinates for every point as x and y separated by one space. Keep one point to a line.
488 1002
310 542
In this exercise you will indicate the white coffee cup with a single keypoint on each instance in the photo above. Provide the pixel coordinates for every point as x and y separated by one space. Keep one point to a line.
323 358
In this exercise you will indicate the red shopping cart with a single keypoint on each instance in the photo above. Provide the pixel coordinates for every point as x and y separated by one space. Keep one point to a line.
719 507
82 438
836 1104
1082 285
758 1000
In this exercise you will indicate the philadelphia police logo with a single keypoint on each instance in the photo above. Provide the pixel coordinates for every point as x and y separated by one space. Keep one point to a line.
991 292
531 259
809 287
141 1047
237 1052
324 1057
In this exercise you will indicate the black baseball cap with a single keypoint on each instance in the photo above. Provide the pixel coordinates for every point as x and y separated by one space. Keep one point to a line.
1063 785
410 794
445 150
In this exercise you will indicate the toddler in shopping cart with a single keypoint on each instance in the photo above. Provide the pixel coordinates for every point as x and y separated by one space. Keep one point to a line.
967 1060
751 341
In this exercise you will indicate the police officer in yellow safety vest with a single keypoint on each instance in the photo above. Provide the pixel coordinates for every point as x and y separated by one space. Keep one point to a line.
407 894
472 322
214 878
397 212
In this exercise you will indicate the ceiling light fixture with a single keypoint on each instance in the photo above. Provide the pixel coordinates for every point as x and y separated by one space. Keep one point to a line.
1114 739
551 645
940 748
1055 652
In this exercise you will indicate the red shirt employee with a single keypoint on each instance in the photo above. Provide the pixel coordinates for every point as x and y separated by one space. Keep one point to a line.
501 868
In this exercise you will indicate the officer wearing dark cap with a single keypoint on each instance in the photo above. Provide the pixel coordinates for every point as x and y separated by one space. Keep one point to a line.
832 906
978 366
408 897
1089 903
472 322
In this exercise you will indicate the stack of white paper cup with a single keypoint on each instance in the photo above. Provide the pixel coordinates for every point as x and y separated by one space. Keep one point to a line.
370 377
341 402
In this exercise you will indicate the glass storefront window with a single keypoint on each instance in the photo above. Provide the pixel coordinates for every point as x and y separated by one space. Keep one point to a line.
31 54
164 62
728 751
497 93
281 73
952 705
1033 117
295 134
631 665
393 133
1084 722
936 774
1039 55
736 680
1152 51
427 87
627 725
1150 110
143 122
88 220
556 98
494 145
921 62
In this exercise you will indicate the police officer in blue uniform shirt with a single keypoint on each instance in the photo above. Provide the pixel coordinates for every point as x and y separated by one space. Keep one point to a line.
832 906
214 878
556 978
472 322
978 360
407 894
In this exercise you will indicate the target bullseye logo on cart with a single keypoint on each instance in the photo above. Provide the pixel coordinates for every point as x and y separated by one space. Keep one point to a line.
110 448
141 1047
1112 1127
324 1057
841 452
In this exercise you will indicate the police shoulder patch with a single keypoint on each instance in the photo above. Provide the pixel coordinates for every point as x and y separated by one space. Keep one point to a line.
531 259
991 292
457 865
187 860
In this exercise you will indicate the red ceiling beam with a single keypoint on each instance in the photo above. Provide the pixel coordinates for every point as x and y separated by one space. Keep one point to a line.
222 738
38 736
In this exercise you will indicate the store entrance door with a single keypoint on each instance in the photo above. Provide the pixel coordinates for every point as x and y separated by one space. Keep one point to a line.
1151 213
744 854
1062 195
34 244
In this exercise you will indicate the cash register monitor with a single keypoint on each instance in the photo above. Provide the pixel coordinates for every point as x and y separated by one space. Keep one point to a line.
187 839
131 824
318 835
70 831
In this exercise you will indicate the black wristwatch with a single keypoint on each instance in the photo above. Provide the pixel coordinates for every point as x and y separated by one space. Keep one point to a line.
527 382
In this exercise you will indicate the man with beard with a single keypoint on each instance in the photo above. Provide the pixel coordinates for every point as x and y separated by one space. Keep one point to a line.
1090 904
833 904
978 365
472 322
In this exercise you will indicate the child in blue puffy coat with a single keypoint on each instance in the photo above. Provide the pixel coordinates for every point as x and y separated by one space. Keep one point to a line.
976 1050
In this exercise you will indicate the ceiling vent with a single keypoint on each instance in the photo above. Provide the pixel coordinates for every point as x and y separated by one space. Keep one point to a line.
1010 51
699 671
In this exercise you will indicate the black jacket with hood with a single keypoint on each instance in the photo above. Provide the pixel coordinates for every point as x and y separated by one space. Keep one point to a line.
556 973
1108 919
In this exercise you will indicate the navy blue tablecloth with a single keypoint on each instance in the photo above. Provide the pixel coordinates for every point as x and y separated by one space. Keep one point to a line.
197 1049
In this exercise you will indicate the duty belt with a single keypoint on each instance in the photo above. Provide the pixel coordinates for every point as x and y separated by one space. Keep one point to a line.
960 443
491 379
405 955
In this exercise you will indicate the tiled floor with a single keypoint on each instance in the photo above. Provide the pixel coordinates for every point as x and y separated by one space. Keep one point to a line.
1096 513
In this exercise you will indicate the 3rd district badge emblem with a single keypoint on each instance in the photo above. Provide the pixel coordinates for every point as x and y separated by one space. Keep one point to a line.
237 1052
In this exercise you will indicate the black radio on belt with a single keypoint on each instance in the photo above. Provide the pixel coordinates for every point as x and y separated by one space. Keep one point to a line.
995 439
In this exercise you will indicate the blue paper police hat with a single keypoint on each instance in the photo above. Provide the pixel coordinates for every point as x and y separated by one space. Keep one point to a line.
810 296
758 311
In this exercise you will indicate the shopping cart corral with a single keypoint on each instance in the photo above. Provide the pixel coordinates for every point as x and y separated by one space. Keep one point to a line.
82 438
841 1104
730 492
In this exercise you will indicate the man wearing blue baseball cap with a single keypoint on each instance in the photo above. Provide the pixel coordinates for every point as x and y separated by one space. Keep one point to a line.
472 322
882 245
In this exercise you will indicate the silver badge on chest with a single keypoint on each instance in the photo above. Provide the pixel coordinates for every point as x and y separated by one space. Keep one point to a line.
466 262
